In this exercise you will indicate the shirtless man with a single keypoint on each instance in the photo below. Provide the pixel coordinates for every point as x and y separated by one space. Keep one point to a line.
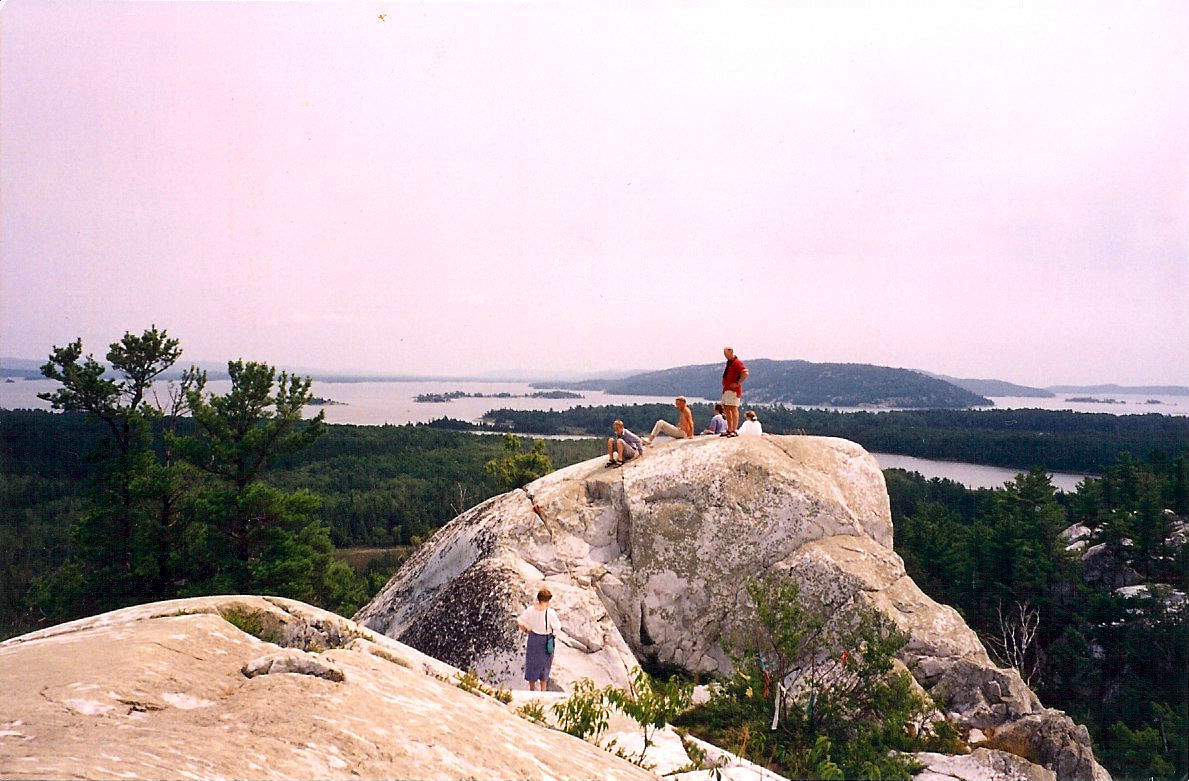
685 424
732 390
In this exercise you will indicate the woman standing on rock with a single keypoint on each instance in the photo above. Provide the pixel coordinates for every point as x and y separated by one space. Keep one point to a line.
540 622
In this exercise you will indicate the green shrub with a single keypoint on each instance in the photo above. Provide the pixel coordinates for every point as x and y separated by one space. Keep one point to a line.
585 713
847 711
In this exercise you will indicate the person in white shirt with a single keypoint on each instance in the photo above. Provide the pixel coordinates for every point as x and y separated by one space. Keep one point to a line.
751 427
540 623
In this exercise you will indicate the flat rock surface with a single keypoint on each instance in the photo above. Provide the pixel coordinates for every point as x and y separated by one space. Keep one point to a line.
178 690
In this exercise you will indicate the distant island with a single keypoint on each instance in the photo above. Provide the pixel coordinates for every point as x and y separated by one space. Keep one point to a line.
797 382
995 387
441 398
1146 390
318 401
1092 400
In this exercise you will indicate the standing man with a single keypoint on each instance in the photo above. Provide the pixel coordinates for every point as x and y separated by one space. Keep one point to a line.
732 390
685 423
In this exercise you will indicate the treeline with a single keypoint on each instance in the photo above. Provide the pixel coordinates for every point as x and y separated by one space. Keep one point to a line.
1116 663
376 486
1012 438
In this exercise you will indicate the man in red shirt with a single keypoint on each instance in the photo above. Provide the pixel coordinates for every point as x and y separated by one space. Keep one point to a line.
732 390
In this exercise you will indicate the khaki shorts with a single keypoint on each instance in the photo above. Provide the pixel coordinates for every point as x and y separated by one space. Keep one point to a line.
730 399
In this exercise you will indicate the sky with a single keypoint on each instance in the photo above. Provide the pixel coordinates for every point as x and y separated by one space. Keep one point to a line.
981 190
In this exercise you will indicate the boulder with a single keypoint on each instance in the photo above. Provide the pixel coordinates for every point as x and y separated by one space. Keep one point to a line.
1051 739
258 688
1102 567
980 765
652 560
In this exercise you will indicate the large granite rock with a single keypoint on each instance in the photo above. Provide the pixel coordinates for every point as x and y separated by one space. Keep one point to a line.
652 560
180 690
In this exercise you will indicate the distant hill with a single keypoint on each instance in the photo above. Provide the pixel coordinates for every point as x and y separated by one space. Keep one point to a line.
994 387
1154 390
20 367
797 382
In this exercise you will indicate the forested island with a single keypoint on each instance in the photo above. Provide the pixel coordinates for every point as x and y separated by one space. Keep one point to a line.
442 398
796 382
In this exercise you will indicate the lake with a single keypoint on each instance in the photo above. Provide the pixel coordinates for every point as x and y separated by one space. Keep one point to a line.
378 403
969 475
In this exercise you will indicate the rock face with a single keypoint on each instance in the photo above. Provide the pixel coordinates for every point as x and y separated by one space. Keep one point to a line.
652 560
180 690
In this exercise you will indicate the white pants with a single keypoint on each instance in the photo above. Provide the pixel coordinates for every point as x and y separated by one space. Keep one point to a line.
666 428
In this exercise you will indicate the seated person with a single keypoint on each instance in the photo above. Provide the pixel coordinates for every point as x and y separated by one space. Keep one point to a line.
685 423
623 446
718 424
751 427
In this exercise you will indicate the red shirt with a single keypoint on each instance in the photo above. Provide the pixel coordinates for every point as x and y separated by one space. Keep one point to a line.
732 376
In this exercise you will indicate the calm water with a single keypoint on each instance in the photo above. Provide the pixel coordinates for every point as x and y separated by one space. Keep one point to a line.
969 475
376 403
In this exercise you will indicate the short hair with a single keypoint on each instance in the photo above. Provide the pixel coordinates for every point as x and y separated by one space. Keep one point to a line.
544 595
750 414
617 423
718 408
680 398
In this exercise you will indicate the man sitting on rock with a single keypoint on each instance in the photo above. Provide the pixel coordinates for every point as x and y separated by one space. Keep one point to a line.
684 428
623 446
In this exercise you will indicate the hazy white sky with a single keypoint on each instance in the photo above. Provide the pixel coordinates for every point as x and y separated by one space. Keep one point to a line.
996 190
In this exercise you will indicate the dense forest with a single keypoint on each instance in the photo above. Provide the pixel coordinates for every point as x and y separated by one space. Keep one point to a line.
1052 605
376 486
797 382
1013 438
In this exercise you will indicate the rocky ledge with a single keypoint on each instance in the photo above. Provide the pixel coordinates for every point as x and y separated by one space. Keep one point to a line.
258 688
652 560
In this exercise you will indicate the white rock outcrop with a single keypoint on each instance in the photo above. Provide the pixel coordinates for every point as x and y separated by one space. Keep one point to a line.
179 690
652 560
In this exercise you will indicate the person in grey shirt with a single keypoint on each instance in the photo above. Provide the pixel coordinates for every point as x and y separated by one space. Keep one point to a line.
718 424
623 446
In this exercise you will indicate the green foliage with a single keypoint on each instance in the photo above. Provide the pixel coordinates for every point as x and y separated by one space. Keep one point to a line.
118 538
532 711
251 623
241 432
818 699
585 712
1115 664
178 509
471 682
518 468
1137 753
651 703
